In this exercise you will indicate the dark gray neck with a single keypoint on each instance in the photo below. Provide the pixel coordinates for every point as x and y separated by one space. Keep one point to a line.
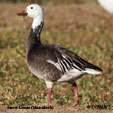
34 37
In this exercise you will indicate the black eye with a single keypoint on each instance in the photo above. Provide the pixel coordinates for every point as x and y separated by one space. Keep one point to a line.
31 7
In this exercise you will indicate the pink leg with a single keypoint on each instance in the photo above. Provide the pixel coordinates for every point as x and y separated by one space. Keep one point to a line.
74 86
49 95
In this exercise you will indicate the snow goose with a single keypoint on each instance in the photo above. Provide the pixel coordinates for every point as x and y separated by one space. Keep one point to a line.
52 63
107 5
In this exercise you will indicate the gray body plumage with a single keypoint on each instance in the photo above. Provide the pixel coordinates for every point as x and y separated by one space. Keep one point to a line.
54 63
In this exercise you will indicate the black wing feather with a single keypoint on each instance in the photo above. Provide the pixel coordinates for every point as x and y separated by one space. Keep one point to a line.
65 57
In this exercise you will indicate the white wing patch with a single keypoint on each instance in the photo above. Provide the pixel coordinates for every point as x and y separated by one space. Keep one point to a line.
55 64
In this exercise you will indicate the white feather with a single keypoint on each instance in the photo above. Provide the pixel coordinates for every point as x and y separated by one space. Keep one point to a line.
107 5
72 74
92 71
69 74
49 84
37 13
55 64
36 22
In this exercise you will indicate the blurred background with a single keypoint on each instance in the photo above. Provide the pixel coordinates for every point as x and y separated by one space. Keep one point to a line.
82 26
48 1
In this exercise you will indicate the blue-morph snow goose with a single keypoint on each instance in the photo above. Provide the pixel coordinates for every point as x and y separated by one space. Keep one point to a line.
107 5
50 62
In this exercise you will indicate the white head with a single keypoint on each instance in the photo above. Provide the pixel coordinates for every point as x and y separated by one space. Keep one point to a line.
34 11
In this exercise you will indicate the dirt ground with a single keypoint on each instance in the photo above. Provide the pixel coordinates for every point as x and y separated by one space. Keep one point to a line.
75 16
56 109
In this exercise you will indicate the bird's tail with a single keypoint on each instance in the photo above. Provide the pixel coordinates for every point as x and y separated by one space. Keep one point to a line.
93 71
